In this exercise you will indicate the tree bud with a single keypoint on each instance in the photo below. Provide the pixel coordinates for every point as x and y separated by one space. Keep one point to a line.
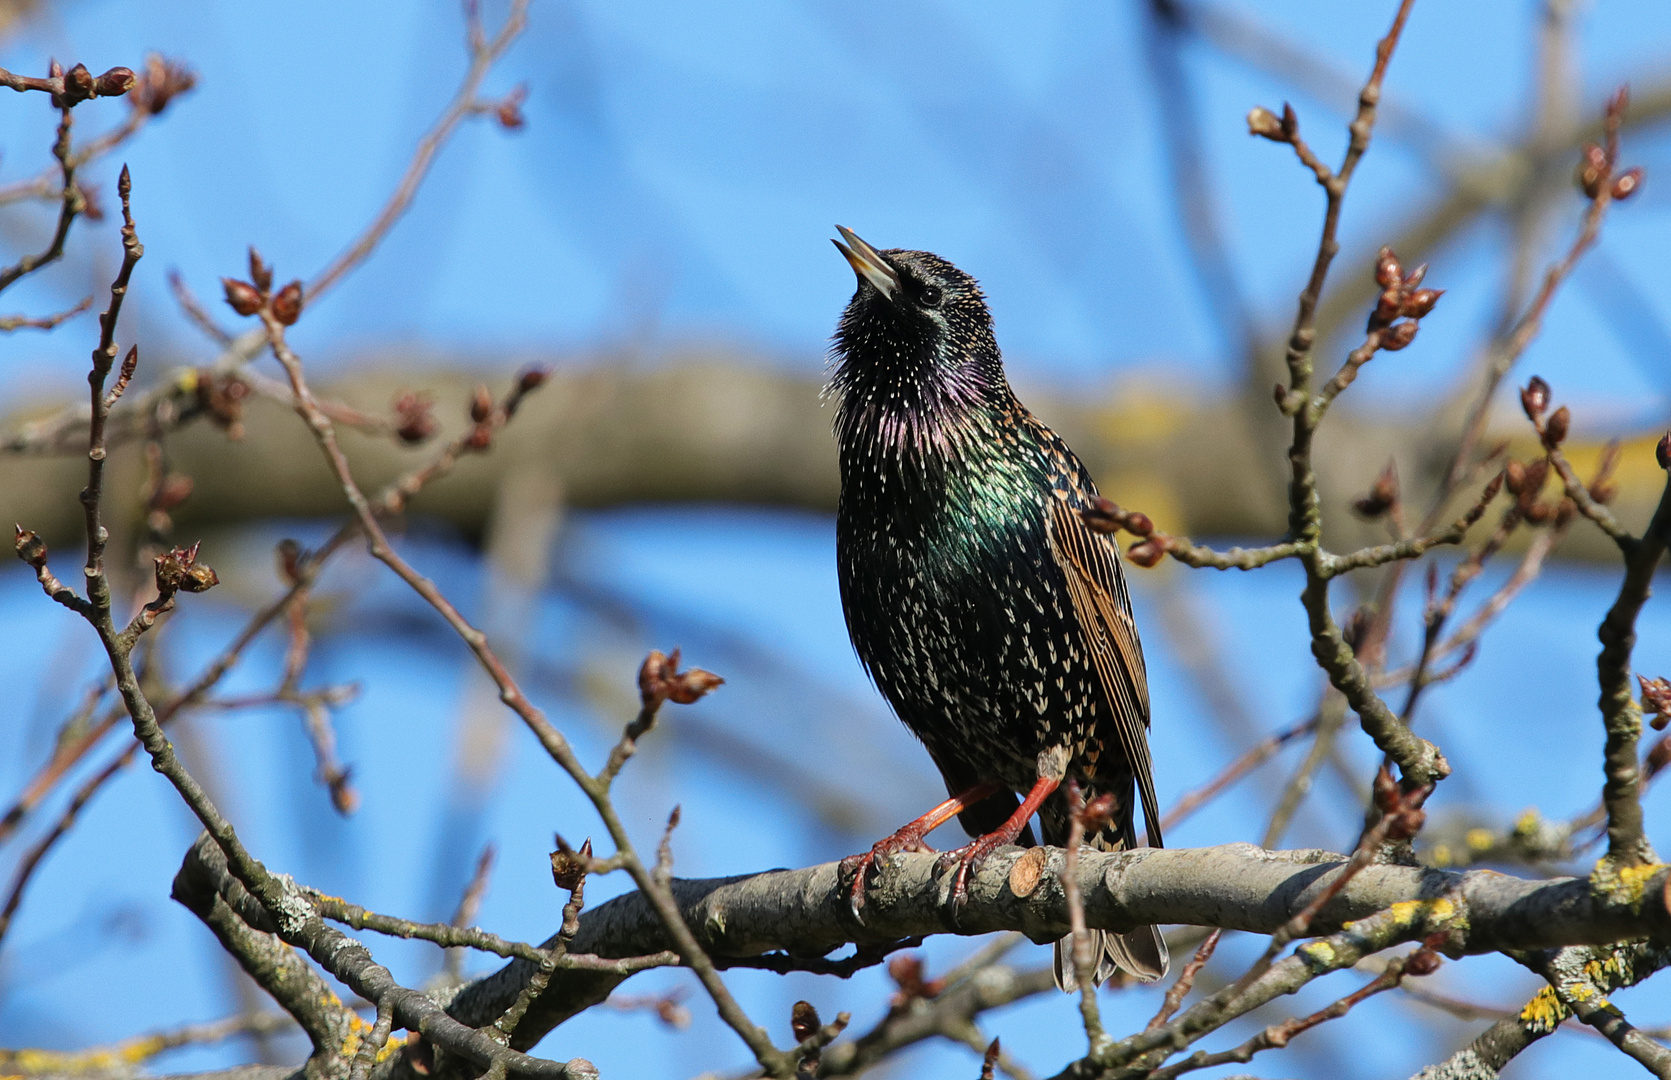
1387 270
1627 183
242 296
1419 303
287 305
1555 428
1399 335
1264 123
1535 398
78 85
1662 451
30 548
481 404
115 82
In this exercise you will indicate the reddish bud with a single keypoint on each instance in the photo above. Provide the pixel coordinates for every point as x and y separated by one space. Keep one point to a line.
1627 183
1388 274
1415 277
54 70
1290 121
242 296
1423 961
1138 523
78 85
479 439
1656 700
1386 309
1535 398
30 548
1419 303
481 404
1264 123
287 305
1514 477
161 82
1146 553
179 571
1662 451
1592 170
532 379
1399 335
414 421
1555 428
1382 496
259 271
659 679
509 115
115 82
1537 471
803 1021
289 556
568 866
989 1061
1535 512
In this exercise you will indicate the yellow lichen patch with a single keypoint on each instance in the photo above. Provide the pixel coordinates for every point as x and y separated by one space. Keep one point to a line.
1544 1012
1412 912
1480 839
1318 954
1440 856
1623 884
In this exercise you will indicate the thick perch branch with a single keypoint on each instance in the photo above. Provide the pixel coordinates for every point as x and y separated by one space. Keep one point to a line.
1236 886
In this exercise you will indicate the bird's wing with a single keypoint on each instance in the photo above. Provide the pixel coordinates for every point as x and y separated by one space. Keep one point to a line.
1097 587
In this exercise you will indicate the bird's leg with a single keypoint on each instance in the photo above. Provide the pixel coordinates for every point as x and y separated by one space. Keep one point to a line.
970 857
910 838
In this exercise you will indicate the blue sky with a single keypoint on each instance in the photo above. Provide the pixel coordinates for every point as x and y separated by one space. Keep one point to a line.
675 186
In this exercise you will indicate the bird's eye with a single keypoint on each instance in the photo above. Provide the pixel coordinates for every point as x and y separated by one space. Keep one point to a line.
930 296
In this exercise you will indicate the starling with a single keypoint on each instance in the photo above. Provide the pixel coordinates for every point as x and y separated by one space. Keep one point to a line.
993 620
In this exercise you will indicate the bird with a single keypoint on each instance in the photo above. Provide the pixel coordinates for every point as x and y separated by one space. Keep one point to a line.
994 621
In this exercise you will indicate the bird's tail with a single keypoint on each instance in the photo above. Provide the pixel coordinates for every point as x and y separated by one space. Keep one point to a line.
1141 952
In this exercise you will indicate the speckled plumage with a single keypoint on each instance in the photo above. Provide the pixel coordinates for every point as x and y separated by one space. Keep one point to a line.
994 622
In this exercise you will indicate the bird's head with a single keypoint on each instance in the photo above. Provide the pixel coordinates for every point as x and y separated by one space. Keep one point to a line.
916 334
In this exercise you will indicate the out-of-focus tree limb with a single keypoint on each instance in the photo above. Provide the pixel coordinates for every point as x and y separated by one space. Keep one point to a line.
721 430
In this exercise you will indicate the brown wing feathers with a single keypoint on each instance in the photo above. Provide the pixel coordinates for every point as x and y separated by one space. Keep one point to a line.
1102 608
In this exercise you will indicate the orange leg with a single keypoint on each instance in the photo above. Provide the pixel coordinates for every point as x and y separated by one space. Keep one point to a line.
970 857
910 837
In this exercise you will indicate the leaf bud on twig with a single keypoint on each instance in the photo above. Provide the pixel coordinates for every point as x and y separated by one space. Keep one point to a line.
569 867
1662 451
659 679
1535 398
115 82
1146 553
1627 183
481 404
78 85
1414 277
1382 496
1592 170
1424 961
989 1062
259 271
1555 428
177 570
1387 270
243 297
1399 335
414 421
287 305
1514 477
1264 123
1418 304
30 548
803 1021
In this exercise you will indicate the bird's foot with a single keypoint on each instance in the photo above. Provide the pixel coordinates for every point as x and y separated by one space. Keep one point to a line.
965 861
857 868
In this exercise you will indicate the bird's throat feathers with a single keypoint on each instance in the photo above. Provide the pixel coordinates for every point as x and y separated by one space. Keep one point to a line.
914 390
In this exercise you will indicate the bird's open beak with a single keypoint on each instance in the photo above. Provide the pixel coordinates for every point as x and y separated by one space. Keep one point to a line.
868 263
